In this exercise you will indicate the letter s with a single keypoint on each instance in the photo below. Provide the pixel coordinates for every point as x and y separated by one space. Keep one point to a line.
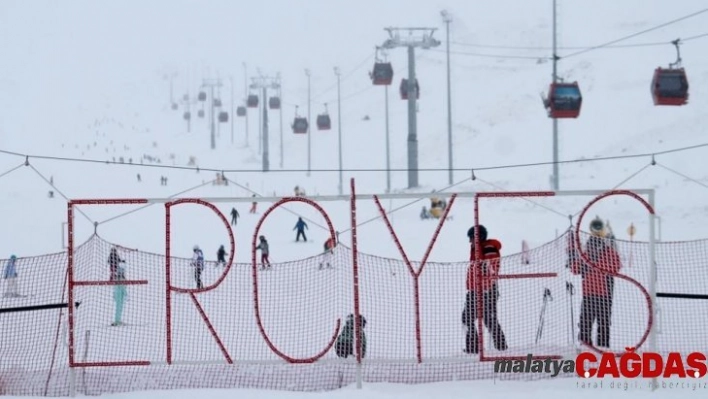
697 363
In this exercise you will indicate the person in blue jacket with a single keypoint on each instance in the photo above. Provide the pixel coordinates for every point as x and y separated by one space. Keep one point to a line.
10 276
300 226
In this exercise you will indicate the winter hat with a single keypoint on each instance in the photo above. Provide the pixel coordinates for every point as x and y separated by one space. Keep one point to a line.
196 247
13 257
597 226
482 233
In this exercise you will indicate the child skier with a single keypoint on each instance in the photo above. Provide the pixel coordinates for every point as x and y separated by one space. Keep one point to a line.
198 264
328 253
263 246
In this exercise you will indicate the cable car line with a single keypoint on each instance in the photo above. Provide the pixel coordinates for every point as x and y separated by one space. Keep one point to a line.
637 33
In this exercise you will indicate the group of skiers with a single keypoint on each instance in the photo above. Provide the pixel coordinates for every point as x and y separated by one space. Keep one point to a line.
597 286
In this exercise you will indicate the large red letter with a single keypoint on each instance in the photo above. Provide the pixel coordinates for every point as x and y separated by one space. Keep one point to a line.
255 280
416 273
193 291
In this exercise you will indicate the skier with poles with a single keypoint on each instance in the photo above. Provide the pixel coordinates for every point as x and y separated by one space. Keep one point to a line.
487 267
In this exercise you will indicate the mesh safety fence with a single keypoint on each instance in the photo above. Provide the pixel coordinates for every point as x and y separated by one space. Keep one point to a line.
289 327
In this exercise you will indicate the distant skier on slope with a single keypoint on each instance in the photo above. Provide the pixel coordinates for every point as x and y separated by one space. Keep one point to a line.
300 226
10 276
234 216
328 253
198 265
221 256
265 252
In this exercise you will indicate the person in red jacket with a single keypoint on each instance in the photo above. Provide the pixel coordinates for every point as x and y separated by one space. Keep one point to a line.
598 283
488 270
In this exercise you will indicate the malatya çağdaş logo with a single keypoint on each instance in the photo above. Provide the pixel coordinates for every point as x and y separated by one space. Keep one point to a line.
629 364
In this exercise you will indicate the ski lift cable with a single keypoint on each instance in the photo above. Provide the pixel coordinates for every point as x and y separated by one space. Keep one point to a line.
636 33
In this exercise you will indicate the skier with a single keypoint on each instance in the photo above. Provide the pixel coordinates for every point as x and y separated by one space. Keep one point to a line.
120 293
344 346
10 276
234 216
489 264
598 284
221 256
424 213
263 246
114 261
300 226
328 253
253 205
198 264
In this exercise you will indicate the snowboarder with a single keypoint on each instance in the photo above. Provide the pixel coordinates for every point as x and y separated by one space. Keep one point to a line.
300 226
488 270
598 283
10 276
198 264
221 256
265 252
253 205
120 293
234 216
328 253
344 346
114 260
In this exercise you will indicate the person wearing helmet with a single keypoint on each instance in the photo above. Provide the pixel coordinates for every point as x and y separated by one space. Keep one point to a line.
265 252
482 276
598 283
10 276
198 264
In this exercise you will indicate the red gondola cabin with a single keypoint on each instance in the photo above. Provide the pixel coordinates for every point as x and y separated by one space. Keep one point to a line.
274 103
564 100
300 125
404 89
324 122
382 75
252 101
669 86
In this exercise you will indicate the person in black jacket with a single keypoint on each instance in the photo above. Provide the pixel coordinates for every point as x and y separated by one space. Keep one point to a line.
114 261
234 216
221 256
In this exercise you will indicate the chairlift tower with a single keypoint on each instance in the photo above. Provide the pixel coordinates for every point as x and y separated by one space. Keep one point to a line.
411 38
264 83
211 84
